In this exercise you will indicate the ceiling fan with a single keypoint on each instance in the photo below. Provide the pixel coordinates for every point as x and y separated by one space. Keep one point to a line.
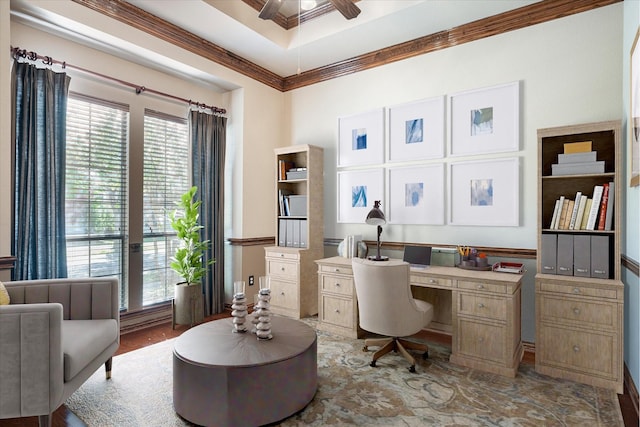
345 7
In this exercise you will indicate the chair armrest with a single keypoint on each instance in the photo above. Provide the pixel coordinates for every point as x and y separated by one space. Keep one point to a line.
31 360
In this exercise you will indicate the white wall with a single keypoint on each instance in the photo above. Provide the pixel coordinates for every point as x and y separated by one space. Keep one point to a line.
632 212
569 71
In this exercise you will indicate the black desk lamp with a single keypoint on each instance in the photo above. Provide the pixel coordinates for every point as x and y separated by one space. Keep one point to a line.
376 217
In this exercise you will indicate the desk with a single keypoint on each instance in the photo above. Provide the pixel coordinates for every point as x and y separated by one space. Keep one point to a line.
480 309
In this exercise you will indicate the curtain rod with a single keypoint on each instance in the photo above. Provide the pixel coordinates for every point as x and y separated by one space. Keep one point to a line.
18 53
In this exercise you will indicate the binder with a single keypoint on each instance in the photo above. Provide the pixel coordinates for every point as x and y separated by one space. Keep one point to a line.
565 254
303 233
282 232
600 257
582 255
289 233
548 255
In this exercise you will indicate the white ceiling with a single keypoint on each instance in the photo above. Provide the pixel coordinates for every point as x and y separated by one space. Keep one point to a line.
235 26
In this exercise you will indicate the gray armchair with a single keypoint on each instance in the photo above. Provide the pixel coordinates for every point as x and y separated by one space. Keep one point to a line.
53 336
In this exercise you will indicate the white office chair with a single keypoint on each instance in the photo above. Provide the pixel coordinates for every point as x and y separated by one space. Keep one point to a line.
387 307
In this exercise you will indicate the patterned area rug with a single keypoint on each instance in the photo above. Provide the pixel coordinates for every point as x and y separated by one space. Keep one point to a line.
350 393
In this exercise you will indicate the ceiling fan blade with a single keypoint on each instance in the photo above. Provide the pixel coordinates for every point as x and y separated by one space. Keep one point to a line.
270 9
346 8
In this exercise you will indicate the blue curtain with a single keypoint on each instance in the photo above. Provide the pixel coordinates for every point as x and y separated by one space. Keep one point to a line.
208 141
39 99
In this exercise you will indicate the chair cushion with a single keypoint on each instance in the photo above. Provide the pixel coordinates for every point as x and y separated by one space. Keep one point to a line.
83 341
4 295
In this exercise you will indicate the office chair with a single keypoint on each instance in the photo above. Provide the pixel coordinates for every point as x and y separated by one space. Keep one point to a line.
386 307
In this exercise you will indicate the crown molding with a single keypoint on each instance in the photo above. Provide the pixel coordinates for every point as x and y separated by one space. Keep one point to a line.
536 13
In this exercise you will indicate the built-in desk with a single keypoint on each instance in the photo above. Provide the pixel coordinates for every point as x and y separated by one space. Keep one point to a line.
480 309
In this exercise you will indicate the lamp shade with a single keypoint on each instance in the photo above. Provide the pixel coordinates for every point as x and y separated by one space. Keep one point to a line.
375 215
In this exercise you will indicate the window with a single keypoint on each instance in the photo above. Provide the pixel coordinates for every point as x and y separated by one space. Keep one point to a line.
166 177
96 189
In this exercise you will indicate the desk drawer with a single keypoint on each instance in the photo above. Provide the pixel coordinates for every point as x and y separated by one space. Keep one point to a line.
284 294
336 269
578 312
337 284
482 287
481 340
420 280
578 290
337 311
283 269
482 306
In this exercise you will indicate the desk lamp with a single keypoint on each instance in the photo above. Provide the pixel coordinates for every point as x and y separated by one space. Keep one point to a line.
376 217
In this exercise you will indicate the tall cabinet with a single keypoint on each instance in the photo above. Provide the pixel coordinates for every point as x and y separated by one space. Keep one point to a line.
299 229
579 292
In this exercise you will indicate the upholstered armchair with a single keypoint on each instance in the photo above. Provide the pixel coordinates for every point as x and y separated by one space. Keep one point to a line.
54 335
386 307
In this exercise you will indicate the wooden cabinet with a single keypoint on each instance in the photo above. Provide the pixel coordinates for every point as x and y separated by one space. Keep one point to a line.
299 231
579 294
480 309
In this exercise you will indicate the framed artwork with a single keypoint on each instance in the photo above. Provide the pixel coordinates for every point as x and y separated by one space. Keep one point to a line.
486 120
416 195
634 111
361 139
485 192
357 190
416 130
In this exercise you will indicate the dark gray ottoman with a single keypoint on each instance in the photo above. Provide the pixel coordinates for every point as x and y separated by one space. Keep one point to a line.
222 378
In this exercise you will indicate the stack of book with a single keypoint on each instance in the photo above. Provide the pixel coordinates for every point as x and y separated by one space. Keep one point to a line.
577 159
583 212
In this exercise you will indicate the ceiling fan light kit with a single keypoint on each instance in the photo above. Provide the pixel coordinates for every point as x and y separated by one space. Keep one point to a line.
346 7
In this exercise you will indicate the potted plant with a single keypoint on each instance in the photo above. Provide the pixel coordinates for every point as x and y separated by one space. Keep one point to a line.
188 260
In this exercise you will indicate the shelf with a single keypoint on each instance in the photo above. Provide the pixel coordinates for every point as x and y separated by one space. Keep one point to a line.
584 175
548 230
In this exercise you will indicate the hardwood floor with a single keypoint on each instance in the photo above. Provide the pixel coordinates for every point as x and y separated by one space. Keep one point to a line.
142 338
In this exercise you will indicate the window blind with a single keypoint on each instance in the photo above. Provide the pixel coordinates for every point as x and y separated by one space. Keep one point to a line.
166 178
96 188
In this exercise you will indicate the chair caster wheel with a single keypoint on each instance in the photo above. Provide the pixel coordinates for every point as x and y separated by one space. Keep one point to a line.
365 348
425 355
412 369
373 364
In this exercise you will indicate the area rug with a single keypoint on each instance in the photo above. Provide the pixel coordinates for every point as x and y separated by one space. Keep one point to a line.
351 393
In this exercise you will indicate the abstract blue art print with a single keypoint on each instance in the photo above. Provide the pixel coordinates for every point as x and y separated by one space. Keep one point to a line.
414 131
359 196
413 194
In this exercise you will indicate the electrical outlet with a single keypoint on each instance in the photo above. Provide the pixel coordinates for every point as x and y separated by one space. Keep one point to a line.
251 281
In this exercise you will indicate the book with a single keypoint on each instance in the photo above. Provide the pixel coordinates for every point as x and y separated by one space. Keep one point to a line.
585 216
563 214
556 212
574 213
567 218
577 147
583 157
581 206
558 169
609 216
283 168
602 216
595 207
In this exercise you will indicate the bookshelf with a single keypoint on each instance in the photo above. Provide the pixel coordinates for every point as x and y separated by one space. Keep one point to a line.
299 228
579 293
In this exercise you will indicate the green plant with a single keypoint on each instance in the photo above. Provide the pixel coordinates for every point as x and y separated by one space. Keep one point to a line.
187 261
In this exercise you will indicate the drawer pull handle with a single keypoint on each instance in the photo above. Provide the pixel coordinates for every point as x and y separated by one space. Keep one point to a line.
433 281
281 255
576 311
576 290
337 311
282 293
576 349
337 270
282 268
480 286
481 305
337 285
481 339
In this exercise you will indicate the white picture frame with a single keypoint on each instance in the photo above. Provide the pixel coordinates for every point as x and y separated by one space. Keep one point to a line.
361 139
486 120
417 130
357 190
416 195
485 192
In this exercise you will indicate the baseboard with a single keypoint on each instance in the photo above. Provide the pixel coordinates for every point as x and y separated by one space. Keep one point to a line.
630 388
135 321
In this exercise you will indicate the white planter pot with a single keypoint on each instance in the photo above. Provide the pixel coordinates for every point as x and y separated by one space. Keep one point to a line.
188 304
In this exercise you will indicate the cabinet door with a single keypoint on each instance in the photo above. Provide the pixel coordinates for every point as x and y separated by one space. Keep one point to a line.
481 340
284 294
337 311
